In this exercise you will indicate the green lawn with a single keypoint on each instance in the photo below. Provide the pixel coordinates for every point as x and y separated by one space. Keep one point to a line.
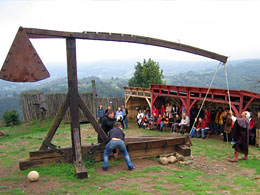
211 173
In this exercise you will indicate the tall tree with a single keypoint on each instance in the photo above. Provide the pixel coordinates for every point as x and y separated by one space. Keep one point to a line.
147 73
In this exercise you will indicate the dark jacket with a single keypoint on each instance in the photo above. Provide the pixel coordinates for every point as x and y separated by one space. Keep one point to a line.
116 133
107 125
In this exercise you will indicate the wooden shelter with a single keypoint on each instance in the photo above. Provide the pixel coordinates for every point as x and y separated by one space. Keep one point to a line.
241 100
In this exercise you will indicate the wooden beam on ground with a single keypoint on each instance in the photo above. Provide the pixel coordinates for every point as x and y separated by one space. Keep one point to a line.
55 124
137 148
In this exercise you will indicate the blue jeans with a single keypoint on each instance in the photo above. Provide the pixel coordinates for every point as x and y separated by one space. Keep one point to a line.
112 145
162 124
202 133
193 131
125 120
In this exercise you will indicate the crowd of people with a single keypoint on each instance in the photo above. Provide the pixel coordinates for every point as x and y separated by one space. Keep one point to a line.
200 123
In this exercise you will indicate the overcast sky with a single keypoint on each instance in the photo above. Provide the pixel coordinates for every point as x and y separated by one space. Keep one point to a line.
229 27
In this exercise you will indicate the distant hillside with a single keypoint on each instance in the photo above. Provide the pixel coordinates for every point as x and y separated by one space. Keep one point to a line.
189 74
240 77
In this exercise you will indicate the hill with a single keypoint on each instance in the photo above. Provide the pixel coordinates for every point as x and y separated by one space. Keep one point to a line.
241 75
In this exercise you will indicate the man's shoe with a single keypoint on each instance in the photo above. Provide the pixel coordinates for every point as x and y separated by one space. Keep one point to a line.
131 169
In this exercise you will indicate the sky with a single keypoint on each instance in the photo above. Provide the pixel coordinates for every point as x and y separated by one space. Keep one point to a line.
227 27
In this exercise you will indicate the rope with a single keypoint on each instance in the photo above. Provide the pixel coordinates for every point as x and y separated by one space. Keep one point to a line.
206 96
229 101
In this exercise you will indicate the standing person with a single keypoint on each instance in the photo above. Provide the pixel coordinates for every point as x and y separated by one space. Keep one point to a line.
175 110
116 137
108 109
252 131
107 123
169 112
100 114
119 115
219 120
182 110
212 120
228 127
163 110
207 117
155 111
240 134
125 113
193 114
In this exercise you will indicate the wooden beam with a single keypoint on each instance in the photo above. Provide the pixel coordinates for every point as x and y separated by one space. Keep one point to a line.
55 124
138 147
81 171
92 119
248 104
42 33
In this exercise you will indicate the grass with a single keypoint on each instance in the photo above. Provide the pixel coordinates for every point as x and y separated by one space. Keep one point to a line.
152 179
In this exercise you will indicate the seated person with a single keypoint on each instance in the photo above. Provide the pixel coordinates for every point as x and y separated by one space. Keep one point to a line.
185 123
153 122
200 127
139 121
145 122
164 121
139 118
176 121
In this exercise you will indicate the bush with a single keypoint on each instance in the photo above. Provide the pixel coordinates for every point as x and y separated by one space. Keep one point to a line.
10 118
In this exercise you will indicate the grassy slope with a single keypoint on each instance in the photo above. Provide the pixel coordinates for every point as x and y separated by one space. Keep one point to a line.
200 178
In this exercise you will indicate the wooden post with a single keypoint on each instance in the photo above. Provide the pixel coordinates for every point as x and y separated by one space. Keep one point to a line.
94 91
55 124
74 108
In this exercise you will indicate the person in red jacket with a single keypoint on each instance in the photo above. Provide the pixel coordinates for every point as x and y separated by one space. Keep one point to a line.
155 110
200 127
163 110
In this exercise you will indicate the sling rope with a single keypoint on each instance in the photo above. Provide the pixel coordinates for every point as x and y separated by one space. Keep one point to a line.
205 96
229 101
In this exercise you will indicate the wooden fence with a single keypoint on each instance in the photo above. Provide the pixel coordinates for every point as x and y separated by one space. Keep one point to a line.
36 105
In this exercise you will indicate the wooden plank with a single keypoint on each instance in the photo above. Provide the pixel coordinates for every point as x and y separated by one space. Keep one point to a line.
183 150
55 124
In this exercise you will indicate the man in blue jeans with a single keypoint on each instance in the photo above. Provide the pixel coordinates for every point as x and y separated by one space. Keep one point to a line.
116 137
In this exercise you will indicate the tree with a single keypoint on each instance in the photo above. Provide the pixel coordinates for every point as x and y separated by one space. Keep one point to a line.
147 73
11 118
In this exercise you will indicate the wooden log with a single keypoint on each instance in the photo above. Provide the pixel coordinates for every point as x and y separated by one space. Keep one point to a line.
81 171
55 124
28 163
184 150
